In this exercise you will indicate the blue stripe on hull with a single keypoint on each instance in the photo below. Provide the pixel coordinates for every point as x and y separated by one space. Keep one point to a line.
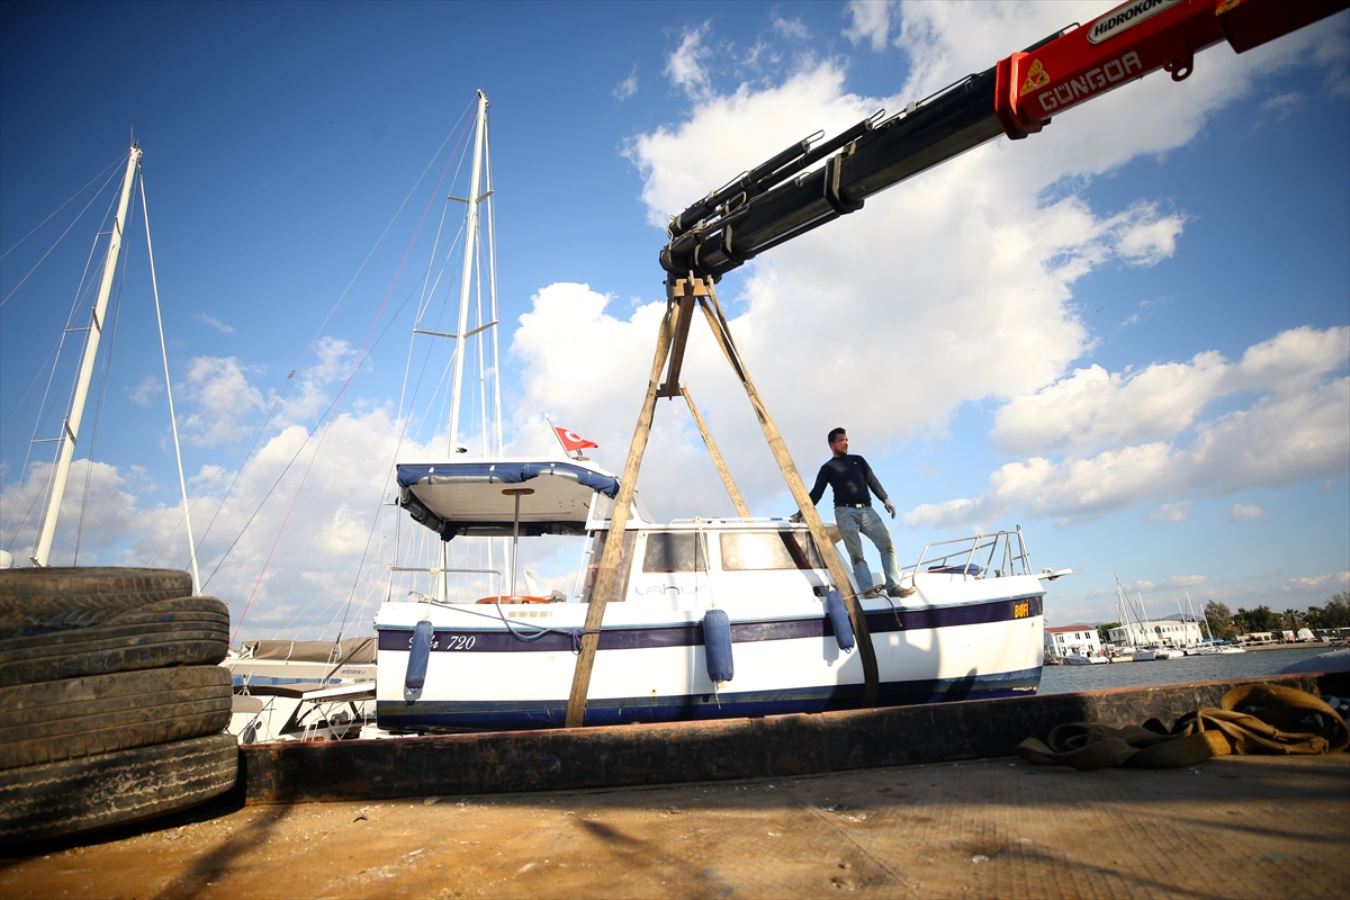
460 715
691 635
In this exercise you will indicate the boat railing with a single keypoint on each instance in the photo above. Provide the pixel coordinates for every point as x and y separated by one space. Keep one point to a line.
994 555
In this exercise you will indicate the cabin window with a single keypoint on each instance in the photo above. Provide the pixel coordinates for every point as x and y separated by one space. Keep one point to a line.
761 550
675 552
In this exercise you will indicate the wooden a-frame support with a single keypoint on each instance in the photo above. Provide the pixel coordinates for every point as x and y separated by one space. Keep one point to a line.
672 335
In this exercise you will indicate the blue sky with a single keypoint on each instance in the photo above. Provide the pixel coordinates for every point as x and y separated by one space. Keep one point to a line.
1129 334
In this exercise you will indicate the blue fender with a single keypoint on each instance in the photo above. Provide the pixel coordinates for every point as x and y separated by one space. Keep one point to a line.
418 656
839 621
717 645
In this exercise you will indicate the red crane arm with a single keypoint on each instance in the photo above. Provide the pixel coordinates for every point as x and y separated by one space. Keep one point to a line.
785 196
1130 41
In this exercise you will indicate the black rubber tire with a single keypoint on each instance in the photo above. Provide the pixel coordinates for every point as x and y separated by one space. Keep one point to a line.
182 631
36 601
77 717
78 795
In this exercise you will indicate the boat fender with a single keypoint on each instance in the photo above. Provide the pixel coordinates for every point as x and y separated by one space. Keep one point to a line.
418 656
717 645
839 621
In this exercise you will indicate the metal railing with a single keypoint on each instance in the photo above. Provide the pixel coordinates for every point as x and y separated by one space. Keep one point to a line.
995 555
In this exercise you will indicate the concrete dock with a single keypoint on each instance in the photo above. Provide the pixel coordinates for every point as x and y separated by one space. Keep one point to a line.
1232 827
908 801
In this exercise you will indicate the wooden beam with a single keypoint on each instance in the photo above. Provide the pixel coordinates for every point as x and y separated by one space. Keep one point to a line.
607 574
712 311
718 462
683 316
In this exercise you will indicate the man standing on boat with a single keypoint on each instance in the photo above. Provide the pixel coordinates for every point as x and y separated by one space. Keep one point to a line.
851 479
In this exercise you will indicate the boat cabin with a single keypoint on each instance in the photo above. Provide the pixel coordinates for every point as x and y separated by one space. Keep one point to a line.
678 562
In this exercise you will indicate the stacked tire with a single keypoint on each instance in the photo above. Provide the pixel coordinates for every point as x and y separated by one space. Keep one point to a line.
113 704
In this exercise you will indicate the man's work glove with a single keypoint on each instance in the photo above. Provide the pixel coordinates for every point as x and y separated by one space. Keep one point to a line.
890 507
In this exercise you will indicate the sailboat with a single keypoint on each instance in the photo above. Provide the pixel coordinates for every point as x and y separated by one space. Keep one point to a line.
713 617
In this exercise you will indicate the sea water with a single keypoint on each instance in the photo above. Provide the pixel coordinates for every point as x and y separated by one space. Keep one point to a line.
1183 670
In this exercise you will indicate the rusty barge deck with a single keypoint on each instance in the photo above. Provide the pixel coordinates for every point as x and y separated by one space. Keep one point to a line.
919 801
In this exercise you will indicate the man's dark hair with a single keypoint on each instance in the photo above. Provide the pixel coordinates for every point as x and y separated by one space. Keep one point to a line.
834 433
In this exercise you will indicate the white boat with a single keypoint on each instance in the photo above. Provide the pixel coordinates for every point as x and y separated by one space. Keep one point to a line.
1080 659
302 690
718 617
709 617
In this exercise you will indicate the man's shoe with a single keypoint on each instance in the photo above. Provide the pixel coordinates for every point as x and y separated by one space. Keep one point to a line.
877 591
896 590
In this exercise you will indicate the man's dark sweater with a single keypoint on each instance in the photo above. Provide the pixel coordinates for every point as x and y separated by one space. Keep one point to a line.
849 476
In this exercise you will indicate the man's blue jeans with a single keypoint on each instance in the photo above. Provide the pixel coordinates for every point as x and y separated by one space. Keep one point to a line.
853 521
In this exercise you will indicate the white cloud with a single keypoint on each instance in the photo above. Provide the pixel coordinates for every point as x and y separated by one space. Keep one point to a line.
1245 512
1140 313
1337 581
215 323
1092 408
1143 237
628 87
870 22
96 511
314 387
1293 360
217 390
792 29
208 477
1280 107
1185 581
1278 439
1172 512
686 66
149 388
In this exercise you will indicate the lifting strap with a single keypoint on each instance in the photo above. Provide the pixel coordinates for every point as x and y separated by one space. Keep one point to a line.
1251 718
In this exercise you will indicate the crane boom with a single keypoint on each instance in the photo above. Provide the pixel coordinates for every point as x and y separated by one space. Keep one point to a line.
784 197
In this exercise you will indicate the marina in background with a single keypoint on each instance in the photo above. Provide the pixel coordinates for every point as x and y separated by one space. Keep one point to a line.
1180 670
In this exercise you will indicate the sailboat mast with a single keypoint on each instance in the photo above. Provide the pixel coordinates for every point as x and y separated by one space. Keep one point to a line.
470 250
71 430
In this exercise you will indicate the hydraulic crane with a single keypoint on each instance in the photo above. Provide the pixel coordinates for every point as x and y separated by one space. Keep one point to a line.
784 196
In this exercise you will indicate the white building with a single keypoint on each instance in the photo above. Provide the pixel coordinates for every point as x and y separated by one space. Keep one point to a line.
1063 640
1164 632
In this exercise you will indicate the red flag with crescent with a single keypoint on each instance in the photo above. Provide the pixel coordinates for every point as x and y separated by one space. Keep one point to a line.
573 441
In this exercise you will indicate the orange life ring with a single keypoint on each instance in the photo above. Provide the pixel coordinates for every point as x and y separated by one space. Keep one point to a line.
514 598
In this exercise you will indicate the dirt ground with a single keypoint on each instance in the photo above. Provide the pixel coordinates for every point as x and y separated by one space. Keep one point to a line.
1235 827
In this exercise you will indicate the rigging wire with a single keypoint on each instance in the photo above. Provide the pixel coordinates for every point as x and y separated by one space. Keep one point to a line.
367 346
308 347
111 167
62 236
168 386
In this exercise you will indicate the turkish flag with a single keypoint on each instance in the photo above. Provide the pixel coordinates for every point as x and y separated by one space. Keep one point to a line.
573 441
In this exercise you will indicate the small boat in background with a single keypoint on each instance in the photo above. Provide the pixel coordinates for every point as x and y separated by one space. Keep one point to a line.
1080 659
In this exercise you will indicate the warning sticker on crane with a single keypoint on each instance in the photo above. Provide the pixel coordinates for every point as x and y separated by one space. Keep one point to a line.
1125 17
1036 78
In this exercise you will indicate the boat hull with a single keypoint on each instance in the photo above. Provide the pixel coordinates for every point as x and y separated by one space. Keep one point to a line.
957 639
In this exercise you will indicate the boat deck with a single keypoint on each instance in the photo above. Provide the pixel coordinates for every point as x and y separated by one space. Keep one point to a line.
1233 827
